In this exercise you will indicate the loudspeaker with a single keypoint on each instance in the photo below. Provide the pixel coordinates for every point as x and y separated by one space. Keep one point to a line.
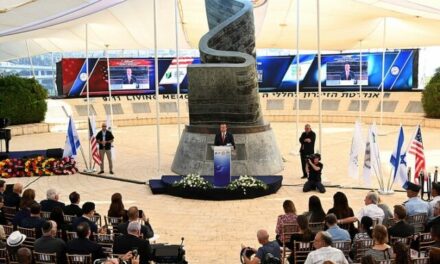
56 153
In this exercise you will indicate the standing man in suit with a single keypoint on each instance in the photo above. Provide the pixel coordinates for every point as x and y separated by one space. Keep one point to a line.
105 139
347 74
307 141
129 78
223 137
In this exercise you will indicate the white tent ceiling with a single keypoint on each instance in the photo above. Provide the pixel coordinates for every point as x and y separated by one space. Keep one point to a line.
129 24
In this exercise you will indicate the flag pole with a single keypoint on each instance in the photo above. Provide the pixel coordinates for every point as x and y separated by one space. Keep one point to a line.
156 87
295 150
383 70
360 80
109 86
178 72
88 98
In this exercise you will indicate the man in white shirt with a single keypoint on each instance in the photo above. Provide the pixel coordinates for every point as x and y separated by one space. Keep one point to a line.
370 209
324 251
435 193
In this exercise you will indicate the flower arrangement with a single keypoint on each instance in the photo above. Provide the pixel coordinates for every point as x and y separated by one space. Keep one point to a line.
38 166
245 182
193 181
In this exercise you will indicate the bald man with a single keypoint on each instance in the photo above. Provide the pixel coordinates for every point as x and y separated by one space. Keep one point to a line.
307 141
268 247
105 139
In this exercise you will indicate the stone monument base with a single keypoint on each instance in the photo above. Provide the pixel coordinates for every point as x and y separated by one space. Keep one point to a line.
256 151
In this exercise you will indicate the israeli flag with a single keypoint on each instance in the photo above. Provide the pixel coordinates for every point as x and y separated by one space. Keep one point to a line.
72 140
398 159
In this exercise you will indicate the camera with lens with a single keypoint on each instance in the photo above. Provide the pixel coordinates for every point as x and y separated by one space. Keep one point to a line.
313 156
248 252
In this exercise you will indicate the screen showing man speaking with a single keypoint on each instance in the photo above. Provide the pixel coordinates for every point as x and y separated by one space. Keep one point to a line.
129 74
345 71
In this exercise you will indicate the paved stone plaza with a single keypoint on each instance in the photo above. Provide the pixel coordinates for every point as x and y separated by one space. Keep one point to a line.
214 231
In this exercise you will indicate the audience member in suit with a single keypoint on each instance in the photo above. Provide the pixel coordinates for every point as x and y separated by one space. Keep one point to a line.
34 220
13 198
223 137
436 219
25 203
89 211
52 201
131 241
73 208
83 245
117 208
49 243
307 141
2 214
58 216
133 216
401 228
2 188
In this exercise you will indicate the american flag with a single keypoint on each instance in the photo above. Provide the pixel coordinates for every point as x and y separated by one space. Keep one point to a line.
95 152
416 148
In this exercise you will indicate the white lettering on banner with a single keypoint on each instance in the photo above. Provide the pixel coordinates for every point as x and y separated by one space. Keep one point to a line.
323 94
144 97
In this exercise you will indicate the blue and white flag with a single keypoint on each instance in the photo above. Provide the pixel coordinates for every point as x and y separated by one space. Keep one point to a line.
72 140
356 149
398 159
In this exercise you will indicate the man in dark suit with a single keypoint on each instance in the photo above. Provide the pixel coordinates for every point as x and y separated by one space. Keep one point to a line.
105 139
49 243
436 220
131 242
88 209
2 187
401 228
52 201
73 208
34 220
223 137
133 216
12 199
347 74
307 141
129 78
83 245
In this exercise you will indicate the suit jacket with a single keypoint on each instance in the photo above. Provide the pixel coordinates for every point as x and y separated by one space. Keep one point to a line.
85 246
73 209
131 81
49 205
401 229
229 139
33 222
47 244
146 230
306 147
108 136
351 76
81 219
12 199
125 243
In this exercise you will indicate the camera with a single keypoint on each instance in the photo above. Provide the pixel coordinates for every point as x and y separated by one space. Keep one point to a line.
135 252
313 156
248 252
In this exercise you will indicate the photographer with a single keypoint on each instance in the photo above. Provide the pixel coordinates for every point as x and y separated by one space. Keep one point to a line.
267 254
314 170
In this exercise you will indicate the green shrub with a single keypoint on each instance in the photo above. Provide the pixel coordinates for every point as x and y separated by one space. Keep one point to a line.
22 100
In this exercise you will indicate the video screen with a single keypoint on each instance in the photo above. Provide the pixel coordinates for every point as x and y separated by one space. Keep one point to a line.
346 71
129 74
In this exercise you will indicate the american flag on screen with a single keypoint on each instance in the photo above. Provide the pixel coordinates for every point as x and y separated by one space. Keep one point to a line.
95 152
416 148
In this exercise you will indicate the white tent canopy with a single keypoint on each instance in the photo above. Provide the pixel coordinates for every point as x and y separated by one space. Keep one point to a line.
128 24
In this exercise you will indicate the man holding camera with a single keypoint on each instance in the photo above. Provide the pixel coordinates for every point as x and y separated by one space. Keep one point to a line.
314 170
268 253
307 141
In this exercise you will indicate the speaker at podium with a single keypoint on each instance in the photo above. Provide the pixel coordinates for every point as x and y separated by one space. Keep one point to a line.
222 165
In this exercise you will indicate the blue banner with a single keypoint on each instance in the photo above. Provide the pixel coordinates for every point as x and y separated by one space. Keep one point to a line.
222 166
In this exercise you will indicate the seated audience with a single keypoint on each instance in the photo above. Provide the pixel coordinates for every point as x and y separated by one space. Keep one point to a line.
131 240
370 209
342 210
58 217
436 217
49 243
401 228
73 208
380 250
14 242
2 188
415 205
368 260
24 256
365 232
337 233
434 255
34 220
267 247
435 233
133 216
25 203
12 199
117 208
83 245
435 193
88 209
324 251
388 215
52 201
401 251
2 214
289 217
304 234
315 214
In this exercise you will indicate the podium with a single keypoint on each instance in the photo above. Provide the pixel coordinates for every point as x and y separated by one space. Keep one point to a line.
222 165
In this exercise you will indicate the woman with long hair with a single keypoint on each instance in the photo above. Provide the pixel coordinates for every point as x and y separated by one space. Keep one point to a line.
365 232
117 208
289 217
316 213
380 250
342 210
305 234
27 199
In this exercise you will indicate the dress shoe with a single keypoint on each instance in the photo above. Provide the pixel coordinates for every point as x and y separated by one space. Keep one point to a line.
101 172
111 172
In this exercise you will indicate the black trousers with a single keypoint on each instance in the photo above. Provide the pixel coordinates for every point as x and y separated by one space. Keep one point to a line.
313 185
304 162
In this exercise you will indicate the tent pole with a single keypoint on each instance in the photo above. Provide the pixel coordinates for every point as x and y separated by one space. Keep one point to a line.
297 77
109 86
156 87
30 59
178 71
319 75
360 80
88 95
383 71
54 83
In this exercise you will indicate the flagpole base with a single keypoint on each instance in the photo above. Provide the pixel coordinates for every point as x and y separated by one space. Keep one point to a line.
386 192
89 170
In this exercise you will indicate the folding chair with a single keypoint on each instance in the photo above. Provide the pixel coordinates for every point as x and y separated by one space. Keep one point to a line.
301 250
45 258
344 246
362 246
30 236
418 221
287 230
79 259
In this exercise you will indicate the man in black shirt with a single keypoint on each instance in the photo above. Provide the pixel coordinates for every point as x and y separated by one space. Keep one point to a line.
73 208
83 245
131 242
307 141
314 170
